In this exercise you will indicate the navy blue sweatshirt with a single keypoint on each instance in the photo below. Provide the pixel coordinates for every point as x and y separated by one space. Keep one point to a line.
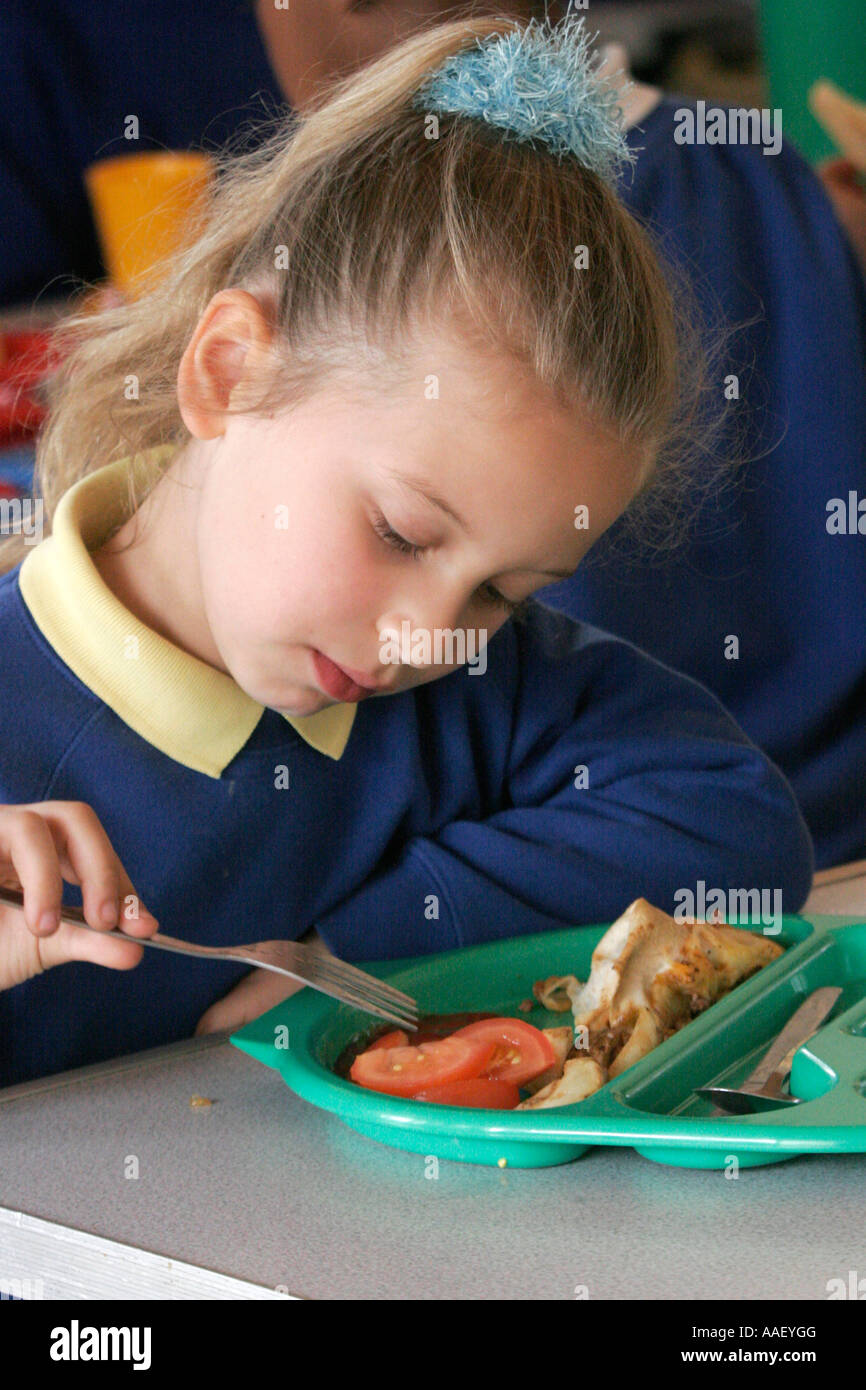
574 775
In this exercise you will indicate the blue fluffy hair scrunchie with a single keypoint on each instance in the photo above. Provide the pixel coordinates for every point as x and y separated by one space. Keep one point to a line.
539 82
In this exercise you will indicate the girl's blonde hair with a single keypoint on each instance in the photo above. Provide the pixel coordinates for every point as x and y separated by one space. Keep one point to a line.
362 232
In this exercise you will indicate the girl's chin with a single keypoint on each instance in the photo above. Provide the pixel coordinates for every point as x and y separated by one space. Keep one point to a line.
295 703
313 706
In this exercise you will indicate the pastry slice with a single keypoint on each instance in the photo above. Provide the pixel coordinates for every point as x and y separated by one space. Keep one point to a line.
650 975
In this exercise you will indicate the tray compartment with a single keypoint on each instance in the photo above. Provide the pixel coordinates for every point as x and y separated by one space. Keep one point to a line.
722 1046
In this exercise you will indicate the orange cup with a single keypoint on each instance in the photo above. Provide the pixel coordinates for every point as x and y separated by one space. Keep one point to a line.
143 205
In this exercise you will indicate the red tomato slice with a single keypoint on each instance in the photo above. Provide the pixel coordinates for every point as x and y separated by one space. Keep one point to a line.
522 1052
433 1026
479 1092
396 1038
401 1071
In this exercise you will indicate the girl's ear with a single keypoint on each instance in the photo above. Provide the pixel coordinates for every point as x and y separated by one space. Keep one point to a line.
223 367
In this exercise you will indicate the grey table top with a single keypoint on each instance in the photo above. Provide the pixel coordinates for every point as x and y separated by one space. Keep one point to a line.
264 1189
261 1195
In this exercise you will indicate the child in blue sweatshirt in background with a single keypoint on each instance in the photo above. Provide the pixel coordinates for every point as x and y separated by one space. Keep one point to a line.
378 404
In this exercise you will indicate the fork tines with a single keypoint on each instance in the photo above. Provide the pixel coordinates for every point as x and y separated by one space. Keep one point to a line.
346 982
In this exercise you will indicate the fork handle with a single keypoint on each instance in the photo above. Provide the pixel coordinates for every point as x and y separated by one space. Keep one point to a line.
75 916
170 943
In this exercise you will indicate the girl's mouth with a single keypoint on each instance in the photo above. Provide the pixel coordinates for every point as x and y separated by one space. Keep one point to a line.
336 682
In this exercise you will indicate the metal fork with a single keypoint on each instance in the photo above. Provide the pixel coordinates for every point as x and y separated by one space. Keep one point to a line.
311 964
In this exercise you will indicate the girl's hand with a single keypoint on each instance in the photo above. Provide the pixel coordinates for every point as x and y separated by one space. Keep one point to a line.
841 180
253 995
844 119
41 845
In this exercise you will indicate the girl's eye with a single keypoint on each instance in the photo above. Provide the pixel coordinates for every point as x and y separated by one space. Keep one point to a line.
490 595
395 540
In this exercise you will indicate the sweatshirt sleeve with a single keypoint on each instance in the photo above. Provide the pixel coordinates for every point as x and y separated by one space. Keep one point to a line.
623 779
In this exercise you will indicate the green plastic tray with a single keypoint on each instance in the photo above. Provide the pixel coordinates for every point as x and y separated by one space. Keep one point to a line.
651 1106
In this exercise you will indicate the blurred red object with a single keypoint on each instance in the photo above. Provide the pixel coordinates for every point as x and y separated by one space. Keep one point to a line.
27 360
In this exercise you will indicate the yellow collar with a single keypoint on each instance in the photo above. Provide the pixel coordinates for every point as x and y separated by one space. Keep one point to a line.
188 710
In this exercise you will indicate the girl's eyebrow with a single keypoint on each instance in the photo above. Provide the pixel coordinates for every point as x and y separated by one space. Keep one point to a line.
422 487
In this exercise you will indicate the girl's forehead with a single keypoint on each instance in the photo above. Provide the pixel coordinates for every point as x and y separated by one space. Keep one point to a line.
453 412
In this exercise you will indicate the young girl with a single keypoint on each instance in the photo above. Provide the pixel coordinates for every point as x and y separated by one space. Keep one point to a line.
261 676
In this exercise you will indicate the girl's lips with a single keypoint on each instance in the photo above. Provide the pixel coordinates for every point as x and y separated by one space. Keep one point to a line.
336 682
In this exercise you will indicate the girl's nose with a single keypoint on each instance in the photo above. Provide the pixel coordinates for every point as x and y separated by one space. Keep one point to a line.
396 639
413 633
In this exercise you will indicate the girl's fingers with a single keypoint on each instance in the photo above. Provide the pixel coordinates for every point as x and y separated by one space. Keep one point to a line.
844 119
27 844
40 845
251 996
108 896
70 942
841 173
